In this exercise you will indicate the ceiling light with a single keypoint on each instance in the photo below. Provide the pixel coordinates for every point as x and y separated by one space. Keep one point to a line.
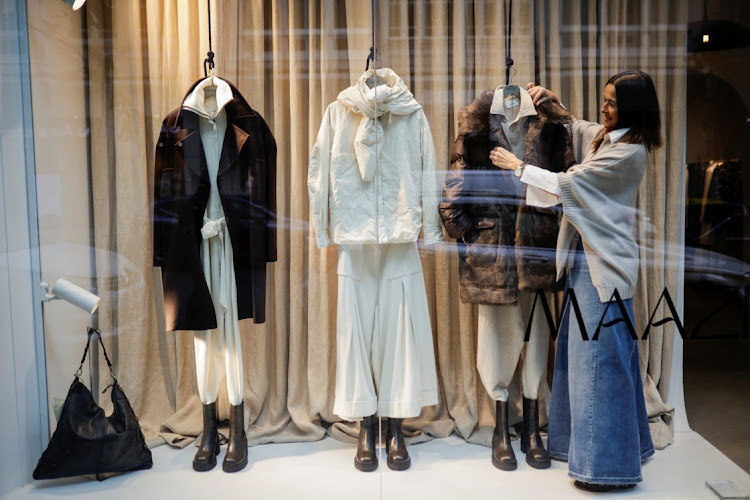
76 4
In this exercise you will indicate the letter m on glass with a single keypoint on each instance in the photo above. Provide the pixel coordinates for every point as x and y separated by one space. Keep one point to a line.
568 297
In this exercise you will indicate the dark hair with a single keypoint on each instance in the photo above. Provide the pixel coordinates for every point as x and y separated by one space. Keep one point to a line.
637 108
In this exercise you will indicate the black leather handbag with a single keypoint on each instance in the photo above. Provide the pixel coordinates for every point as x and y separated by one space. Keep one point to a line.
87 441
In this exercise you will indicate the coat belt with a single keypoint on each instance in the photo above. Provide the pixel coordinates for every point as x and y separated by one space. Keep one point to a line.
212 229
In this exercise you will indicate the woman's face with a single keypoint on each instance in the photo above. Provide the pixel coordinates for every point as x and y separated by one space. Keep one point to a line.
609 108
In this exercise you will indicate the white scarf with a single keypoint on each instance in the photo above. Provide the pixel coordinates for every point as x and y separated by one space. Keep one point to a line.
391 96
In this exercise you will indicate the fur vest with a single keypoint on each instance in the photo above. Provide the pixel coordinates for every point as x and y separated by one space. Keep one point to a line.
503 244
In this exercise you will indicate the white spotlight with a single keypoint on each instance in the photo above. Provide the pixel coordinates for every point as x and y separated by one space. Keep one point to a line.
73 294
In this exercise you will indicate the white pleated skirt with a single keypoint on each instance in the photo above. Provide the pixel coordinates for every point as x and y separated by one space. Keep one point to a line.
385 361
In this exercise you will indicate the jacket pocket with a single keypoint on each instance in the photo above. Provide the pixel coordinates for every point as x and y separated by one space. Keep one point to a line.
482 242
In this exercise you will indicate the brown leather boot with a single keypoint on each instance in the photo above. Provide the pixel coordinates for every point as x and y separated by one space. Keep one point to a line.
236 458
366 458
395 446
502 452
205 458
531 440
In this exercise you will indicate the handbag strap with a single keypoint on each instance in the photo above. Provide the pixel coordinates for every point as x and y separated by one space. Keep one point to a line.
91 333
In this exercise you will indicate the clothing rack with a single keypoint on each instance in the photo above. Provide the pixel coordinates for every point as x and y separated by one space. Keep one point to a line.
715 206
714 219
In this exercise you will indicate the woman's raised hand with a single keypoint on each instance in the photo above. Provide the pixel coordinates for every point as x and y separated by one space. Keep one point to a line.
540 94
504 159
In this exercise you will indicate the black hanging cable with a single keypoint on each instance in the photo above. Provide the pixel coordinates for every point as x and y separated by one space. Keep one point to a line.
371 57
374 6
208 62
508 31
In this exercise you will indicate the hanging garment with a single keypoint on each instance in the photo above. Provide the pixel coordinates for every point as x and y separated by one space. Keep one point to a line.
506 248
723 211
373 179
695 174
373 169
501 326
246 184
220 347
705 226
504 245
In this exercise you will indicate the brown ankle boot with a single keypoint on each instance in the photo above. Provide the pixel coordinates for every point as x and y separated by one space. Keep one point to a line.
531 440
366 459
502 452
205 458
236 458
395 446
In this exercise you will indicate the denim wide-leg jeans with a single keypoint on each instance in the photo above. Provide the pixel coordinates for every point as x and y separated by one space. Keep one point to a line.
598 421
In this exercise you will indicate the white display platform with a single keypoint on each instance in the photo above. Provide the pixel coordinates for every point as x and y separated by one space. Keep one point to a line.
441 469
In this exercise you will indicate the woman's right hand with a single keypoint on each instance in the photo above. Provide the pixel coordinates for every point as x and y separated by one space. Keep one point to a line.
540 95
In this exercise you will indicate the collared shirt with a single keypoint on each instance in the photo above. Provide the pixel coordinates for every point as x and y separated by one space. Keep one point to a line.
544 189
513 122
208 100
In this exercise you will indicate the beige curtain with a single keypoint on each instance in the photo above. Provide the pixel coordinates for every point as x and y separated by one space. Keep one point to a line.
290 60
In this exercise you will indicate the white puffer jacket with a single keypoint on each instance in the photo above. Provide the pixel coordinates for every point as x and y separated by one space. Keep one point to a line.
373 170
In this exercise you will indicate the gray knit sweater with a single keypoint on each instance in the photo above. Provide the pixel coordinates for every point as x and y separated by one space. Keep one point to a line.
599 204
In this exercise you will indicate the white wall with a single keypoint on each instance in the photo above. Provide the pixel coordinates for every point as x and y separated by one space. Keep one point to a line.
61 150
44 153
23 418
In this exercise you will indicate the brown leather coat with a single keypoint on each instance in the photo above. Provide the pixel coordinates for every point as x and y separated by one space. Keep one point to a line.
247 185
504 245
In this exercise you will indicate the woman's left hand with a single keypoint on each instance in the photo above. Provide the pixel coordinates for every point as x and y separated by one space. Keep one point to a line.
503 158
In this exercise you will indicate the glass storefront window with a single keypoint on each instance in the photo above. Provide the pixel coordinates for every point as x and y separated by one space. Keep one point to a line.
362 212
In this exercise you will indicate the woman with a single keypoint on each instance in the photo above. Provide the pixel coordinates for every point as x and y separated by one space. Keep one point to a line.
598 421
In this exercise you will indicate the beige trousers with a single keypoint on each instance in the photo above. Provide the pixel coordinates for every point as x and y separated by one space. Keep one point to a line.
500 343
218 352
385 362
